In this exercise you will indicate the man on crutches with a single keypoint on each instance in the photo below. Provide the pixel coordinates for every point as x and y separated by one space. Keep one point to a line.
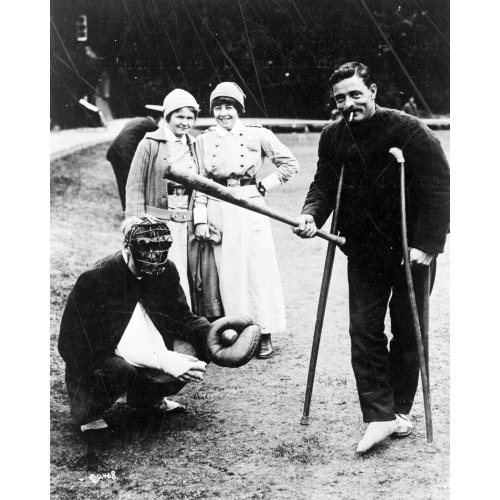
354 151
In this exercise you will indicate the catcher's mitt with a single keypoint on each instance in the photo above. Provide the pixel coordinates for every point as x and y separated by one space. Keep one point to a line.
232 341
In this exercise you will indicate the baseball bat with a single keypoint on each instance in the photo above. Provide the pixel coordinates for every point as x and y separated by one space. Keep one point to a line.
398 154
208 186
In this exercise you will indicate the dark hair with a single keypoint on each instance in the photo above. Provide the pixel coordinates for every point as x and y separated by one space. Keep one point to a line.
350 69
219 101
195 112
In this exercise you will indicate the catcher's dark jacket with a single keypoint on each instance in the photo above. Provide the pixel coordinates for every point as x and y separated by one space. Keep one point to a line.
369 215
101 304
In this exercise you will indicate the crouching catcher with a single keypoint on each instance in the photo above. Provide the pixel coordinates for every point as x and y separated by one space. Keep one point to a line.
127 329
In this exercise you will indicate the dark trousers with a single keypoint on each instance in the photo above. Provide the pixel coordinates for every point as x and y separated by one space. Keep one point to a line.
92 394
386 377
121 169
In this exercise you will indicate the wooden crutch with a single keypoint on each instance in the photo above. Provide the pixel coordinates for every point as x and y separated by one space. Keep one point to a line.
323 296
423 362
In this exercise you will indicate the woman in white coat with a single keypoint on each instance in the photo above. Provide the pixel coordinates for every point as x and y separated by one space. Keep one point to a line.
233 153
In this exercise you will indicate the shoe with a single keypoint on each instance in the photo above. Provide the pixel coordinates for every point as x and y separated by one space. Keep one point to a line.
163 405
405 426
94 426
96 433
167 406
265 349
375 433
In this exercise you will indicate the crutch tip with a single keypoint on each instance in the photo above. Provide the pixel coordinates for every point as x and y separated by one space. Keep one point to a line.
304 420
431 447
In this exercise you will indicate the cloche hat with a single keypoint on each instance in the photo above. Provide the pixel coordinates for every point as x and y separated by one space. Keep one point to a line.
178 99
229 89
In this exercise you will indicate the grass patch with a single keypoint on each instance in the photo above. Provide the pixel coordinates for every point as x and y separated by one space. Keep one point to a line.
304 451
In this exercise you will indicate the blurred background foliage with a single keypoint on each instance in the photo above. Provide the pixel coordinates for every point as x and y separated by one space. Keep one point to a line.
281 52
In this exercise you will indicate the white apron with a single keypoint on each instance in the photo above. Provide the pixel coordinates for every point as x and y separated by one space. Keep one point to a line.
249 279
178 254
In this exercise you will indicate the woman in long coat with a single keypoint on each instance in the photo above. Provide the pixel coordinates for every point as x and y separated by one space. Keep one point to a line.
233 153
147 192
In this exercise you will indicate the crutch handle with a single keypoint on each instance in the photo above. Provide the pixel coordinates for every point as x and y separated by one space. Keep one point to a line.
398 154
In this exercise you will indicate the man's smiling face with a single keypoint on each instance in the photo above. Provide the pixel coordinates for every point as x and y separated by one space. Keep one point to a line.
352 94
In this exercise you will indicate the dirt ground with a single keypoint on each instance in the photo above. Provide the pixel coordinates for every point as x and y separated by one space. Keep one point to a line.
242 438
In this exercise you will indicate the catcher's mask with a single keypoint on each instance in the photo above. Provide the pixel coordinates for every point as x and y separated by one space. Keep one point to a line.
149 242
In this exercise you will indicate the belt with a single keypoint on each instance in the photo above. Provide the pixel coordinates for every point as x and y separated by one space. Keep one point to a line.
175 215
235 181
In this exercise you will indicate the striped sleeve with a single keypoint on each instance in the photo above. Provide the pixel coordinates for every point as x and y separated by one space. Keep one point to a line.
137 179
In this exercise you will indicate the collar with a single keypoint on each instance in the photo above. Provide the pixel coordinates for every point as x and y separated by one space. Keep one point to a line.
124 261
159 135
376 113
171 137
236 130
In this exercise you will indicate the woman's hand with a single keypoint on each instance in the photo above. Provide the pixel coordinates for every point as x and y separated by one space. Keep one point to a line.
202 232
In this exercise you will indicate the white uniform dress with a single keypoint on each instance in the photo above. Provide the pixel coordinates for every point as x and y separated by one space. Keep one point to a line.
249 279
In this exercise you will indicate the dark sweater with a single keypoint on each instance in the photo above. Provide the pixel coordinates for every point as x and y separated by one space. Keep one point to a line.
101 304
126 142
369 214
